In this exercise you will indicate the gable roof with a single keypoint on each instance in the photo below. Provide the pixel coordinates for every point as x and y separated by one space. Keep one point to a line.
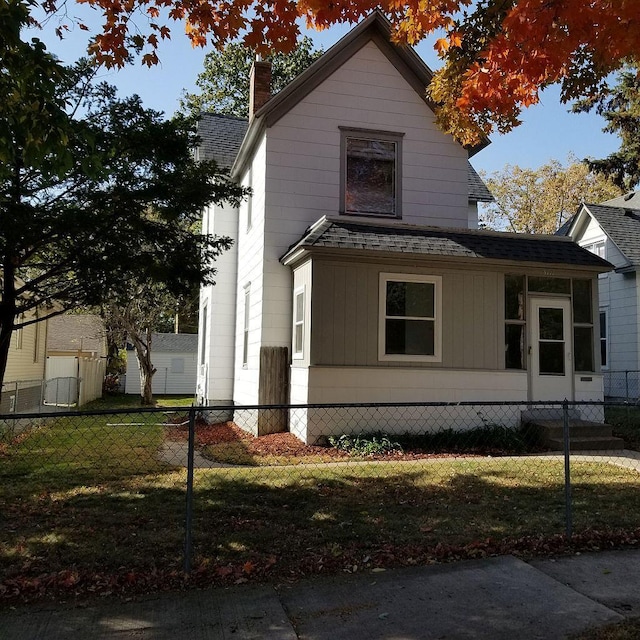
221 137
374 28
619 218
329 233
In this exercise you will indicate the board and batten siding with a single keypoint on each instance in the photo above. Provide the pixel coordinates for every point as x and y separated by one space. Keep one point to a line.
345 316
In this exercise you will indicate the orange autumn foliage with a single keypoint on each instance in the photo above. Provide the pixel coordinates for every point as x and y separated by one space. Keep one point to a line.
497 54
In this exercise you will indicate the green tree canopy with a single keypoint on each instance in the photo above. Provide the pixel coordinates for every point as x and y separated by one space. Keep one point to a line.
118 206
619 105
224 81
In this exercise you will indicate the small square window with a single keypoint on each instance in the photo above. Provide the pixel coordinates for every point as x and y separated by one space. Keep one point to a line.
371 170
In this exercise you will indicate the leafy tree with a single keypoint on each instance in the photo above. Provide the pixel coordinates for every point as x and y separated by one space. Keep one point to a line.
541 200
619 105
498 54
98 203
224 81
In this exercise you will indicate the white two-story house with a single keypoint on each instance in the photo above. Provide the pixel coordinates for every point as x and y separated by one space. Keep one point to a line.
611 230
358 273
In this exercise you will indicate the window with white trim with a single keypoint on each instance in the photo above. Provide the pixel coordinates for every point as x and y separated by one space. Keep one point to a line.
371 173
245 332
298 323
598 248
604 342
204 333
410 325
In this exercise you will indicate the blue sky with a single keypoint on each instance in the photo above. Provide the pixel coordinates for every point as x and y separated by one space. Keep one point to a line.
548 130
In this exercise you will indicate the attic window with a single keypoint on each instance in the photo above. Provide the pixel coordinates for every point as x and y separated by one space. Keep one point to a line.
597 248
371 163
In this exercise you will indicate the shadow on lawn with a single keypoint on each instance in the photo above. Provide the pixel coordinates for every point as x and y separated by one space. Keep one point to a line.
304 520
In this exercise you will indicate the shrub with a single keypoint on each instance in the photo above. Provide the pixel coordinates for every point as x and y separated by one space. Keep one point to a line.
365 444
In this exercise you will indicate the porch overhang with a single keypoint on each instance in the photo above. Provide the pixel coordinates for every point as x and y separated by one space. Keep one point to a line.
399 243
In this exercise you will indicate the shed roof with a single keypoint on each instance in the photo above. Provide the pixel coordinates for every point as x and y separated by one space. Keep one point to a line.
330 233
175 342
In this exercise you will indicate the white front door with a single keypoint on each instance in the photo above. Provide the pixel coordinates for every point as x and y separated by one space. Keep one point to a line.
550 350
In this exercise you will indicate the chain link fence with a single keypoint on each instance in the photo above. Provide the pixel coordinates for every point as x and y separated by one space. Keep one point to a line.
97 500
622 385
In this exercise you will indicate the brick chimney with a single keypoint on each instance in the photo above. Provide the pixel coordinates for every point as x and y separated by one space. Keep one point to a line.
259 85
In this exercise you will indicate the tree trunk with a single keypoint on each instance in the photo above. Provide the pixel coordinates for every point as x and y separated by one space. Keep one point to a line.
7 317
147 370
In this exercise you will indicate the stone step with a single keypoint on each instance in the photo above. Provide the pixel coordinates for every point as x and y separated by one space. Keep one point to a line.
587 443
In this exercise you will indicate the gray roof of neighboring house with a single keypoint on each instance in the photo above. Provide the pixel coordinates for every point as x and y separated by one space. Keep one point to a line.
330 233
619 219
174 342
76 332
622 225
221 137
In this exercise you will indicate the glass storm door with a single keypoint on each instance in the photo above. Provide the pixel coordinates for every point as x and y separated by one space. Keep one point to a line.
550 363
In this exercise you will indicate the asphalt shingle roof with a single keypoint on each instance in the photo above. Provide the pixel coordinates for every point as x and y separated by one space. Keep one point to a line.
456 243
221 137
175 342
76 332
621 224
478 190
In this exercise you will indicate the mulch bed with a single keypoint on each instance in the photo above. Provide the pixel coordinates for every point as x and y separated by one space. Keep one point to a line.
273 444
285 445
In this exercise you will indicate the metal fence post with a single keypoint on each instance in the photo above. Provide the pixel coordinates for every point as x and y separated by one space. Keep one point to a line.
567 469
189 502
626 385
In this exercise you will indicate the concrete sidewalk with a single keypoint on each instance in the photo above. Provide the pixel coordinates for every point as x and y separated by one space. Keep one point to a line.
492 599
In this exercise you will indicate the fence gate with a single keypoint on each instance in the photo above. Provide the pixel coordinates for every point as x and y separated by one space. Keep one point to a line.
61 384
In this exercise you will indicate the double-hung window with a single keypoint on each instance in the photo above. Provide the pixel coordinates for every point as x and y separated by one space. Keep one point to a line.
371 173
298 323
410 326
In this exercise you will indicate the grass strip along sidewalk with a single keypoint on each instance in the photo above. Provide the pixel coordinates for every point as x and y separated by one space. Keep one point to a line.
88 508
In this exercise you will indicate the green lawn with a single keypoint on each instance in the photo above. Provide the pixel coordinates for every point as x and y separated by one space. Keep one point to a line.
90 495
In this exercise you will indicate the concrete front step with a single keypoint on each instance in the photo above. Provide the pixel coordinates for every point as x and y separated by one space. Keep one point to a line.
577 428
583 435
587 443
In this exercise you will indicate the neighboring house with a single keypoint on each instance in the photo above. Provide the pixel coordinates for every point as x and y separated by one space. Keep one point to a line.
25 373
611 230
357 272
76 359
174 355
